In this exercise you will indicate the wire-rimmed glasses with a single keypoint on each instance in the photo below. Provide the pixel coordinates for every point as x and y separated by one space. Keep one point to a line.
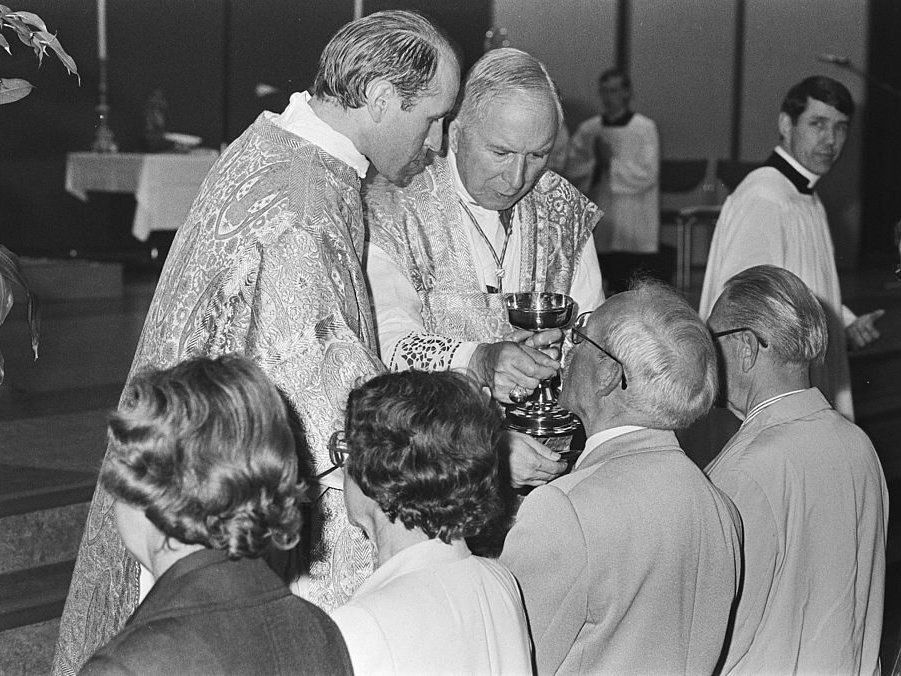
728 332
578 336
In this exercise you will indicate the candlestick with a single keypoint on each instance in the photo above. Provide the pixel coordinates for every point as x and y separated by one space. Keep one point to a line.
101 30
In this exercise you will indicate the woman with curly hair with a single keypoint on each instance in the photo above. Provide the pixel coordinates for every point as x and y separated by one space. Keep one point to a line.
203 470
421 474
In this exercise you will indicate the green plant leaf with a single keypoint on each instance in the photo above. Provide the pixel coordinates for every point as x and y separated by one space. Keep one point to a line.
5 44
13 89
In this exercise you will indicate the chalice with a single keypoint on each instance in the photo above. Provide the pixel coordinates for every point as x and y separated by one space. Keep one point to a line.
540 415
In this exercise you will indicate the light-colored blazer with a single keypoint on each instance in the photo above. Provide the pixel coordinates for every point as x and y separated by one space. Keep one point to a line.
630 564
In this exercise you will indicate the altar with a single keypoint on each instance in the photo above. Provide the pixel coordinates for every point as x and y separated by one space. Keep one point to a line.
164 184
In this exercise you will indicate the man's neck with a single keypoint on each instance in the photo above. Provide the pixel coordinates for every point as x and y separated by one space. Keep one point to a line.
763 389
343 120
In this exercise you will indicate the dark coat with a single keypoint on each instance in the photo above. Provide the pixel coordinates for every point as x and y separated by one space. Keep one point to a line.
209 615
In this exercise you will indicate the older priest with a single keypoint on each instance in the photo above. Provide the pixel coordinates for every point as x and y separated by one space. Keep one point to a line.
268 265
485 220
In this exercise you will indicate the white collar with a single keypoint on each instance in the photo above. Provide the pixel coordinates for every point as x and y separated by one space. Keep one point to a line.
415 557
767 402
461 190
603 436
811 177
299 119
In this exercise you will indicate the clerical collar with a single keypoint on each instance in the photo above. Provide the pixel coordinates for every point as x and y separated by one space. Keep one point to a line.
299 119
620 120
461 190
800 176
598 438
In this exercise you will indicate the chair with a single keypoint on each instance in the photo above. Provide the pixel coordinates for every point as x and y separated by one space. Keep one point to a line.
684 191
729 173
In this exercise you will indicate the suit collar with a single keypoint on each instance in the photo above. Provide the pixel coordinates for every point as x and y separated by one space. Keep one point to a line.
208 578
791 408
643 440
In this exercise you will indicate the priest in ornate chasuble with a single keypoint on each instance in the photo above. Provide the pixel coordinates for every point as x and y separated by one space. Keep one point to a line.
268 264
488 219
775 217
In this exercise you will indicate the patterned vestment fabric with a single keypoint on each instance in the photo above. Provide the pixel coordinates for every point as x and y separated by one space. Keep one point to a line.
267 264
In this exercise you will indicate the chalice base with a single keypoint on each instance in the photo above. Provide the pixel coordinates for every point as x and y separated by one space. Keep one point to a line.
539 419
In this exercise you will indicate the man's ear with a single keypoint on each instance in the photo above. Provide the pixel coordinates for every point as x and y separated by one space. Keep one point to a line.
610 377
380 95
749 350
453 135
785 125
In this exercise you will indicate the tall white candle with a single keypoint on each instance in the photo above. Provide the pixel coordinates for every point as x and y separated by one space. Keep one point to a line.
101 30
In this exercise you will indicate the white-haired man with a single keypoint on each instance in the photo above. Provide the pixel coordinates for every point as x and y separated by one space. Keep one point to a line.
808 485
631 563
486 220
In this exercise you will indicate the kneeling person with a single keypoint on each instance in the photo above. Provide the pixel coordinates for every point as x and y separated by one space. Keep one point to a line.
203 468
421 474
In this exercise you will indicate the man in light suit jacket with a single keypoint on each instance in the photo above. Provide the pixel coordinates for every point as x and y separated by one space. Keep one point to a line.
809 487
631 563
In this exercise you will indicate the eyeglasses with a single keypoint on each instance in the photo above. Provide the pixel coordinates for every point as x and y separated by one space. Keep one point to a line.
578 336
729 332
337 452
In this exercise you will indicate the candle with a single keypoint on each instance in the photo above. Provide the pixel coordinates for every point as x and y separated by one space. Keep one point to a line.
101 29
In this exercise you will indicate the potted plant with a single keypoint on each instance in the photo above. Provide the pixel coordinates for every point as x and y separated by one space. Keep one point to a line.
31 31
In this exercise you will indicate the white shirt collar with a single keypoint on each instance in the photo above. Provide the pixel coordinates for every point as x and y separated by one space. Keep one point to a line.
603 436
811 177
299 119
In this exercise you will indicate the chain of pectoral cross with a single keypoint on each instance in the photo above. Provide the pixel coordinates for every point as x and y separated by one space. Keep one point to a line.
506 218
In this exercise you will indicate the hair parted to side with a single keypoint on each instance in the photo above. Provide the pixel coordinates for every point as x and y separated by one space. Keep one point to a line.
615 73
780 308
501 72
825 89
399 46
205 448
424 447
668 354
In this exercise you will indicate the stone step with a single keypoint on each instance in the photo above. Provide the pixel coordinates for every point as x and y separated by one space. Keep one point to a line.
42 515
34 595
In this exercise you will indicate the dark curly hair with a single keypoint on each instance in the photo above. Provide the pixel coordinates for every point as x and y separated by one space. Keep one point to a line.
424 446
206 449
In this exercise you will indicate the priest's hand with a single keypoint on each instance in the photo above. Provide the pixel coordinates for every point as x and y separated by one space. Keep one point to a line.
548 340
862 331
531 462
502 366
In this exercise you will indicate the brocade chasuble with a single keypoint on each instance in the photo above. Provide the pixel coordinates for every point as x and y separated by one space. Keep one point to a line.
421 227
267 264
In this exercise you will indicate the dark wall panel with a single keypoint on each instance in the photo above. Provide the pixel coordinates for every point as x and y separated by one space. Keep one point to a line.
206 56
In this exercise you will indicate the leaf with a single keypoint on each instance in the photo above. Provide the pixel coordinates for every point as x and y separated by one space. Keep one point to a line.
29 18
12 271
5 45
50 40
13 89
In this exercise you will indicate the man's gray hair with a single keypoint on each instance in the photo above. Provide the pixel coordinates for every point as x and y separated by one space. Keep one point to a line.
399 46
779 308
668 356
500 72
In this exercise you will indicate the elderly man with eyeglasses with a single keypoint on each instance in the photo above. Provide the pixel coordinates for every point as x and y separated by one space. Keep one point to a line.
809 487
631 563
